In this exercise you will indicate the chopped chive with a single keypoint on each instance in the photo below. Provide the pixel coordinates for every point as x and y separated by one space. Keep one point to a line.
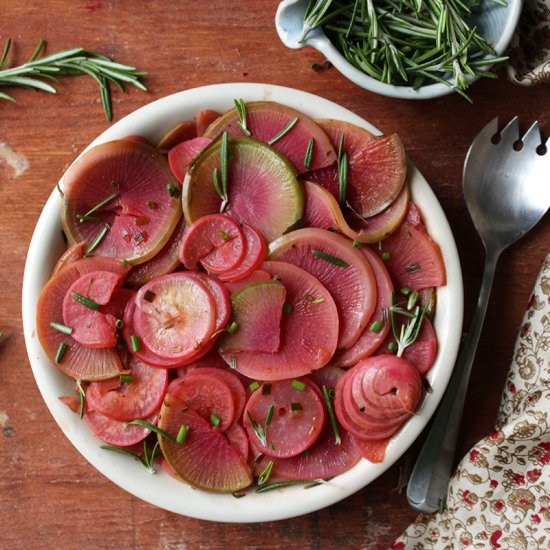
82 397
86 217
240 106
232 328
412 268
124 452
119 323
287 308
295 406
151 427
269 415
149 296
356 244
121 344
332 417
258 430
61 328
254 386
152 205
386 256
298 384
60 352
215 420
343 169
126 378
224 159
85 301
125 263
329 258
216 182
264 476
284 131
405 291
136 344
376 327
309 153
223 235
182 434
413 298
266 388
173 190
392 346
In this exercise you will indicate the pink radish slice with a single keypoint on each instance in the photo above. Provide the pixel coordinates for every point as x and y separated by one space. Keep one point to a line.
209 396
72 254
183 131
254 256
90 326
166 261
175 315
258 275
343 270
206 460
257 310
238 438
181 156
296 421
78 362
266 119
114 432
372 450
216 241
308 332
211 359
204 118
377 328
129 176
130 400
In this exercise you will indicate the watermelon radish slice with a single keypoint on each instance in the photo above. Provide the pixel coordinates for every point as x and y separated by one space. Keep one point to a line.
165 261
255 255
236 435
92 327
294 423
376 167
72 254
372 450
206 460
377 328
175 315
262 187
308 332
258 275
216 241
114 432
181 156
78 362
257 309
129 400
341 268
204 118
135 197
265 120
208 395
183 131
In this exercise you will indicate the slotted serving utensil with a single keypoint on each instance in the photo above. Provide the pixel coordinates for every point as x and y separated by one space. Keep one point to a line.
506 184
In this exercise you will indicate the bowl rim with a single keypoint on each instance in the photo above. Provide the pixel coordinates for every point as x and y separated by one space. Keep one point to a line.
319 41
152 120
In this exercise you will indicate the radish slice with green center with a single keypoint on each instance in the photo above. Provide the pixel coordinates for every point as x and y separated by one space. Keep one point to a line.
340 267
175 315
262 189
121 197
216 241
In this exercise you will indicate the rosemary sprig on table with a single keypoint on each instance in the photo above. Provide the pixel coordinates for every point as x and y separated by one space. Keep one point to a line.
71 62
408 43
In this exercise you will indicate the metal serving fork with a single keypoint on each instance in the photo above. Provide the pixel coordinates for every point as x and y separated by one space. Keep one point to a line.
506 187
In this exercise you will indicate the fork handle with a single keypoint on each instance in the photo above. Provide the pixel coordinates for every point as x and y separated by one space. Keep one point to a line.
432 471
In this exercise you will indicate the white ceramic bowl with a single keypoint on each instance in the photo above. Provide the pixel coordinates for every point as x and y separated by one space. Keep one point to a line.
152 121
496 23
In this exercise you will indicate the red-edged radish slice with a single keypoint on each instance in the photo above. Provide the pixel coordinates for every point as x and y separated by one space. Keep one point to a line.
72 254
127 400
204 118
373 450
216 241
175 315
181 156
183 131
286 419
206 459
238 438
255 276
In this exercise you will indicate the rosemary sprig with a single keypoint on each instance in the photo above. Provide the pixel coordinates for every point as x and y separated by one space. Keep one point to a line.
343 169
258 430
82 397
331 415
148 460
71 62
406 333
240 107
284 131
278 484
329 258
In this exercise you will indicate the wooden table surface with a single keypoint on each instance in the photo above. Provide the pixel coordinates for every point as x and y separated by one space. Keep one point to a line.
49 495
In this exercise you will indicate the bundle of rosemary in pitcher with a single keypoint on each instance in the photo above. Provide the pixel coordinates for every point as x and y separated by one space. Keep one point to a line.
409 42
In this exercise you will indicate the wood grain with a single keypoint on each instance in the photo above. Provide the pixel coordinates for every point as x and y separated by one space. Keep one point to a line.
49 495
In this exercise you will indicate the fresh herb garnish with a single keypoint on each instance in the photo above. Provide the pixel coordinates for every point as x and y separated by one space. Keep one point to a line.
287 308
61 328
81 397
61 350
182 434
86 217
98 239
266 388
224 162
85 301
329 258
258 430
310 298
266 473
136 344
412 268
406 333
376 327
269 417
215 420
331 415
309 153
223 235
307 482
356 244
151 427
173 190
343 168
298 384
254 386
126 378
149 457
240 106
284 131
71 62
296 406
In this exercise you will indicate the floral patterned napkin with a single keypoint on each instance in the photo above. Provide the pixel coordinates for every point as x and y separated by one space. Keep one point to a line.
530 48
499 496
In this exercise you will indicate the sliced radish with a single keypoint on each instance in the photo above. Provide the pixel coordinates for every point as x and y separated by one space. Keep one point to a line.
181 156
257 310
90 326
206 460
266 119
236 435
289 412
216 241
183 131
72 254
175 315
341 268
255 255
115 183
372 450
133 399
255 276
204 118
